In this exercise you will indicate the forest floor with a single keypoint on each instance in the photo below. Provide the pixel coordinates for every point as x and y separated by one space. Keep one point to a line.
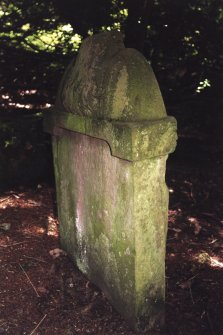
42 292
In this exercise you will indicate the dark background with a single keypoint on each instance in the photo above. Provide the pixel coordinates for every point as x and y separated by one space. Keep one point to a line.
181 39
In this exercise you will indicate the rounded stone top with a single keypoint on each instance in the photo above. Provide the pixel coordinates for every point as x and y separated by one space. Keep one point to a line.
111 82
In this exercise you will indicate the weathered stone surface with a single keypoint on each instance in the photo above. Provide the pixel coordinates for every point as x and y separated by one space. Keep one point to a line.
111 139
108 81
128 140
113 222
96 213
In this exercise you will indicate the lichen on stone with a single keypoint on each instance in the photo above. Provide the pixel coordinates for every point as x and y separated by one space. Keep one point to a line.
109 81
111 141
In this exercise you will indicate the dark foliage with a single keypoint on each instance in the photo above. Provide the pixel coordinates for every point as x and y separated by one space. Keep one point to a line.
181 39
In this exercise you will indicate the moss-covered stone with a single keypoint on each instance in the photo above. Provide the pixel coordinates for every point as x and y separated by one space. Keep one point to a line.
111 138
108 81
128 140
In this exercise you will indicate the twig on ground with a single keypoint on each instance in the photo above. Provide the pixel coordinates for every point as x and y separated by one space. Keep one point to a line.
191 295
193 276
37 259
4 199
11 245
33 331
37 294
16 196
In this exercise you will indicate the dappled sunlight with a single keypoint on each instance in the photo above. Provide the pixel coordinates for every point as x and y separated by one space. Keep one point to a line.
9 101
195 224
194 258
27 92
182 42
62 37
194 228
28 106
204 257
216 262
32 230
203 84
52 227
30 216
18 200
18 105
5 96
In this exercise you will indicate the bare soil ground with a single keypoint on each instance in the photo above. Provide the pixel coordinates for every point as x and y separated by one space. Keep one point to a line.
46 295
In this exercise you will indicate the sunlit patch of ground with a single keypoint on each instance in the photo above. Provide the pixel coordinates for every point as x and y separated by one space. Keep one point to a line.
42 292
195 253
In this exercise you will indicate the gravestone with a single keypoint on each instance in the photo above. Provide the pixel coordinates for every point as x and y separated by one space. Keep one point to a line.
111 138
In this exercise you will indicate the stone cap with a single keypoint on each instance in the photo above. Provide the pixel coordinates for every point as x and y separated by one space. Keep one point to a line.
111 93
131 141
110 82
